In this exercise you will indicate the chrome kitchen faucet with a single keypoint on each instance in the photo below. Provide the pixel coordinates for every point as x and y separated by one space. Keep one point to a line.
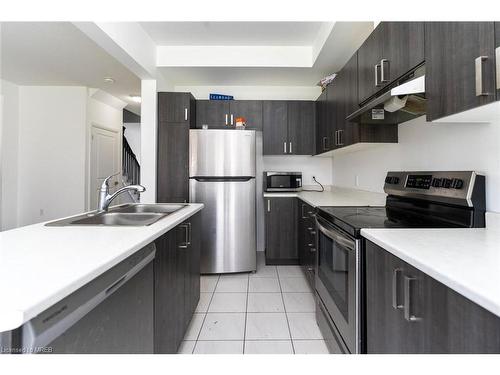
105 198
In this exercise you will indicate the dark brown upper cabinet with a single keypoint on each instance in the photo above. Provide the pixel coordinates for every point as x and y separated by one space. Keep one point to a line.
251 110
222 114
176 107
289 127
301 127
391 50
459 66
497 57
323 136
339 100
214 113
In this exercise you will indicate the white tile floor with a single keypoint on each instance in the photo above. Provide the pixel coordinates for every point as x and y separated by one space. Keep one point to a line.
270 311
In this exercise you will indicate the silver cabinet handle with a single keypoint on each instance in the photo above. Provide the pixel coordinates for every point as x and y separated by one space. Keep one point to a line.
384 79
497 59
324 143
290 147
302 211
340 137
408 303
395 290
189 233
185 244
479 75
268 205
232 122
284 147
376 67
185 114
226 118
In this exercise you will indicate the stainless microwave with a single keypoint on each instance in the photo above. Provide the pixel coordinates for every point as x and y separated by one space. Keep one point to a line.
282 181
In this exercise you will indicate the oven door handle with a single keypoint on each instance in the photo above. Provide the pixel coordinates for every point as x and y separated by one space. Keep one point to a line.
336 235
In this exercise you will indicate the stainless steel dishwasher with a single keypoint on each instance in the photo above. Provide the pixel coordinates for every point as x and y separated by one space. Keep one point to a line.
111 314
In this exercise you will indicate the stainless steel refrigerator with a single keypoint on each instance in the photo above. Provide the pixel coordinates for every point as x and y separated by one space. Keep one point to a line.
222 177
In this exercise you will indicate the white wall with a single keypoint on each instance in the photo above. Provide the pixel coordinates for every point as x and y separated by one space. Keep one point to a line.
9 152
45 149
133 135
427 146
254 92
52 152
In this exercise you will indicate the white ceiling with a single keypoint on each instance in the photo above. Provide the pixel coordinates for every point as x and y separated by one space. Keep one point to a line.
233 33
57 53
337 47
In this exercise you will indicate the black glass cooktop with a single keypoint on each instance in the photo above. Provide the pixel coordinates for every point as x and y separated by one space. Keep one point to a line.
353 219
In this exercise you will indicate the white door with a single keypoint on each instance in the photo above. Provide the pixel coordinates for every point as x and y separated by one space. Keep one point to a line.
104 161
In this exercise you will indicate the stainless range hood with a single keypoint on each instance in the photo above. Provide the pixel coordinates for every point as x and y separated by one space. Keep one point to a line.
400 102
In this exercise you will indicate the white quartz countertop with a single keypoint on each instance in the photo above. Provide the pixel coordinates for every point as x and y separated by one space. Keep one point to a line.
465 260
41 265
337 196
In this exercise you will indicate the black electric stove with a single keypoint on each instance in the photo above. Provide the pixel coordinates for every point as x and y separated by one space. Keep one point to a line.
457 204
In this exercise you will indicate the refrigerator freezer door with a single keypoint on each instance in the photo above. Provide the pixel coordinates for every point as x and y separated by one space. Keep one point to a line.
222 153
228 224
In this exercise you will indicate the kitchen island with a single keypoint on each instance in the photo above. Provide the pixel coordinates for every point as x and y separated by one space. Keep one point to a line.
41 265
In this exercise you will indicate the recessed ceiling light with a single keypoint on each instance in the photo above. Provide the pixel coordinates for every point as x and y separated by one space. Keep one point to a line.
136 98
109 80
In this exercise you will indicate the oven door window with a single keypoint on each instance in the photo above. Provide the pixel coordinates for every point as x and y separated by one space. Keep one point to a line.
333 270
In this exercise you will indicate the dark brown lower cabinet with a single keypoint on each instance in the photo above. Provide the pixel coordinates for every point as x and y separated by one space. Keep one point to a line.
281 230
306 239
408 311
176 283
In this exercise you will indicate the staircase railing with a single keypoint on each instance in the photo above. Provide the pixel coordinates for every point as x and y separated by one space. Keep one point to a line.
131 169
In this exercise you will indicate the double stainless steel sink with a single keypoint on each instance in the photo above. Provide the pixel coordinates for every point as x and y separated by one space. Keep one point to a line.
124 215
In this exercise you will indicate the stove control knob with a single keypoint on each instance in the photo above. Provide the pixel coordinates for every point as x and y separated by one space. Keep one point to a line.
457 183
395 180
388 180
446 183
437 182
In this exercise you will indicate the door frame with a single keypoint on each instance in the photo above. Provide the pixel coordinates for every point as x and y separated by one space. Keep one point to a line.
88 162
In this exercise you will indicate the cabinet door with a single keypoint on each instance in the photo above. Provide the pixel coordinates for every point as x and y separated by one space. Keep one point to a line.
194 264
497 57
251 110
455 71
348 102
369 55
281 231
275 127
168 292
306 240
301 127
387 330
402 49
333 95
323 137
173 162
174 107
214 113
